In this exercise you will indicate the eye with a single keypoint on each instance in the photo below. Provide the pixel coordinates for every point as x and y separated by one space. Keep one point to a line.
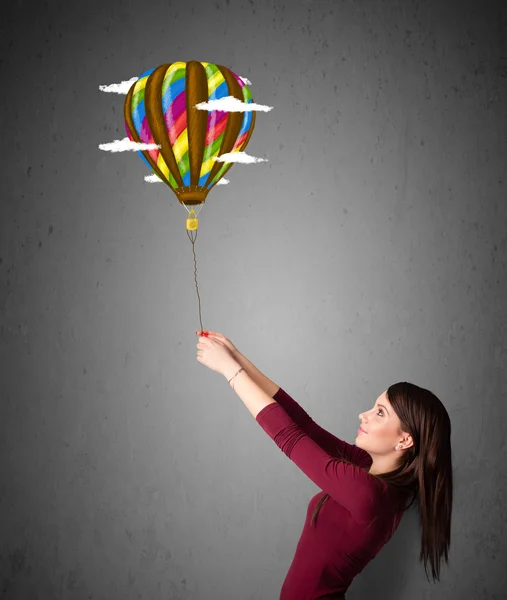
381 411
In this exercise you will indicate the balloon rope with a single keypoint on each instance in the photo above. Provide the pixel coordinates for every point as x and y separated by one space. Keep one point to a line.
195 275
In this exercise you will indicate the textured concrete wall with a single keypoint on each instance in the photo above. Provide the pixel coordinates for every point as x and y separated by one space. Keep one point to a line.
370 249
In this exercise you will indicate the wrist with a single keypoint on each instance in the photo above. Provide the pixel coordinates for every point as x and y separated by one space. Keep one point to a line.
231 369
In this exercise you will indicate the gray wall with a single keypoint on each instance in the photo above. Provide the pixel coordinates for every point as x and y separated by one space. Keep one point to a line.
370 249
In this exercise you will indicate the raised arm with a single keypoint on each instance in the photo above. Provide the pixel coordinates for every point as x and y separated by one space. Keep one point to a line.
333 445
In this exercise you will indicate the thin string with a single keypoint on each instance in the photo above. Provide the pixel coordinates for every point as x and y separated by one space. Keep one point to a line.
192 239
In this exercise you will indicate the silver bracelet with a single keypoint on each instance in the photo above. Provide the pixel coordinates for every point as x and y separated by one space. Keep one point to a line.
242 369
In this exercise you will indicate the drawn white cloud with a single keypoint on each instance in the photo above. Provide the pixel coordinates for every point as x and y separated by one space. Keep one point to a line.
124 86
125 145
239 157
232 104
153 178
118 88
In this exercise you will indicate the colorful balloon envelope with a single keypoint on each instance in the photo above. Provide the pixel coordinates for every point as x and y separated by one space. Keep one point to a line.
160 109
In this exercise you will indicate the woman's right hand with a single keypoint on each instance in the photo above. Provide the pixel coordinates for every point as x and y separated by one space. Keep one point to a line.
221 338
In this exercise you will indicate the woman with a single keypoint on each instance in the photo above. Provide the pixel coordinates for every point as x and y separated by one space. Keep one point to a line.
402 452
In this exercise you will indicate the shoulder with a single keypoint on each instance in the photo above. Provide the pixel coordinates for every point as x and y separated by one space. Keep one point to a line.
374 498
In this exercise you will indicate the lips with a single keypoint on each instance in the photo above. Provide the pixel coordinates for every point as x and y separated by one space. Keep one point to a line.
361 430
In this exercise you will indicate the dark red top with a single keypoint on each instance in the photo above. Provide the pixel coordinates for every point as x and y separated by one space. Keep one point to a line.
344 538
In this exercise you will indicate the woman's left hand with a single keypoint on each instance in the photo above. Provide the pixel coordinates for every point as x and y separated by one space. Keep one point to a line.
214 355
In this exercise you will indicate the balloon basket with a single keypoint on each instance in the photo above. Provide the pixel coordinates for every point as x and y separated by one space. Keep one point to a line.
192 221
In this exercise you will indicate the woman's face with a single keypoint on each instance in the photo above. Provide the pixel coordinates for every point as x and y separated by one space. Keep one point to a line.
382 429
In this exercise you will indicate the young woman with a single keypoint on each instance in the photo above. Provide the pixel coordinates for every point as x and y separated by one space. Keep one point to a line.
402 452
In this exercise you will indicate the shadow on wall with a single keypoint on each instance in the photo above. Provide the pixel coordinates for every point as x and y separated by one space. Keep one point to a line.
386 575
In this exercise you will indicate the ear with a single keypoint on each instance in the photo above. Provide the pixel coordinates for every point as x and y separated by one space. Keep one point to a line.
407 442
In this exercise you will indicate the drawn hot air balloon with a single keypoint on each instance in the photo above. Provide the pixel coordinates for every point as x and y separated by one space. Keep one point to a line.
160 109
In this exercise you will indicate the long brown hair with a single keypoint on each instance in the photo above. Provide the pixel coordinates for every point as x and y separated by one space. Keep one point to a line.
424 470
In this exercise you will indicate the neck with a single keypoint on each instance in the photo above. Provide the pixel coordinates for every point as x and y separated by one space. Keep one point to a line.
382 464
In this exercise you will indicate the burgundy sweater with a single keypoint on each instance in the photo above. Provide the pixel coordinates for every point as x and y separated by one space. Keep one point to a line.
355 522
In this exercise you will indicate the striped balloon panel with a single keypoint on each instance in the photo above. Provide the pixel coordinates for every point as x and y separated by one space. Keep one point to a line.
217 120
142 127
243 136
174 109
138 114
